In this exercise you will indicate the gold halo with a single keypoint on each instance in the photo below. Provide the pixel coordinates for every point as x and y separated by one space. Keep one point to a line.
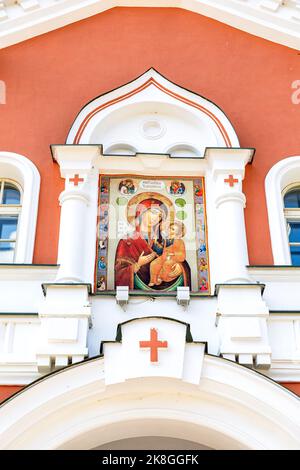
135 200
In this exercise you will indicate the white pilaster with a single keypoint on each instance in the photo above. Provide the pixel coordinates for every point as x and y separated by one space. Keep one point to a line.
77 235
225 174
241 312
64 317
242 317
65 312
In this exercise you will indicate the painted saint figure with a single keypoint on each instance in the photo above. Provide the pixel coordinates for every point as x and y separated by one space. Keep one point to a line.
127 187
173 255
135 253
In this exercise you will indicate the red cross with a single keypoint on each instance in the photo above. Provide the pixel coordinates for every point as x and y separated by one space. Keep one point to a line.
231 180
153 344
76 180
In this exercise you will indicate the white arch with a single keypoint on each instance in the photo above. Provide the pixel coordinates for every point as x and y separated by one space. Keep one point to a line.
282 174
231 408
23 171
152 114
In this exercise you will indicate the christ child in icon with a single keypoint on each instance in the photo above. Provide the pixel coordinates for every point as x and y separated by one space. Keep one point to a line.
163 267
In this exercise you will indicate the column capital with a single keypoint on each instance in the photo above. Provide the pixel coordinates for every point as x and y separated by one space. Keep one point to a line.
75 159
228 160
74 194
235 196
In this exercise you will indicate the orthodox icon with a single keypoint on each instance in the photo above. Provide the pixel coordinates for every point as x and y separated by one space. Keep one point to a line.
198 190
102 244
104 187
102 264
176 187
151 257
101 283
150 245
127 186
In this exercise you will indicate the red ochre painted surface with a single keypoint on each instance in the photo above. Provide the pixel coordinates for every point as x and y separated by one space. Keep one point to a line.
51 77
7 390
292 386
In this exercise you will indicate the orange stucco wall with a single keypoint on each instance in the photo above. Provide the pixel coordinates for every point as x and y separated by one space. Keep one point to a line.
49 78
8 390
292 386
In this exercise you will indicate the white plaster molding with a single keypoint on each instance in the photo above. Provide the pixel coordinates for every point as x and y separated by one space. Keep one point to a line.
125 360
283 173
72 159
279 24
22 170
149 164
282 286
216 165
231 408
18 338
242 325
284 316
232 197
113 117
28 273
284 371
274 273
225 208
64 317
18 373
18 368
181 111
76 250
75 194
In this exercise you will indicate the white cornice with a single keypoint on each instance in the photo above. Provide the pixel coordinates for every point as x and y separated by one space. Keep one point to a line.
274 274
275 20
284 371
14 272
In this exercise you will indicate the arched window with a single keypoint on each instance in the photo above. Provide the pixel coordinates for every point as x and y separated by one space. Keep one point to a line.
292 215
282 195
10 208
19 195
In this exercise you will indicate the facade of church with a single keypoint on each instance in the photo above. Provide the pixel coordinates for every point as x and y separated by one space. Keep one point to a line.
150 224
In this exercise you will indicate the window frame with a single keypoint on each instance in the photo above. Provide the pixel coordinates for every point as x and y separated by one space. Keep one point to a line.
11 210
292 215
281 177
22 173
